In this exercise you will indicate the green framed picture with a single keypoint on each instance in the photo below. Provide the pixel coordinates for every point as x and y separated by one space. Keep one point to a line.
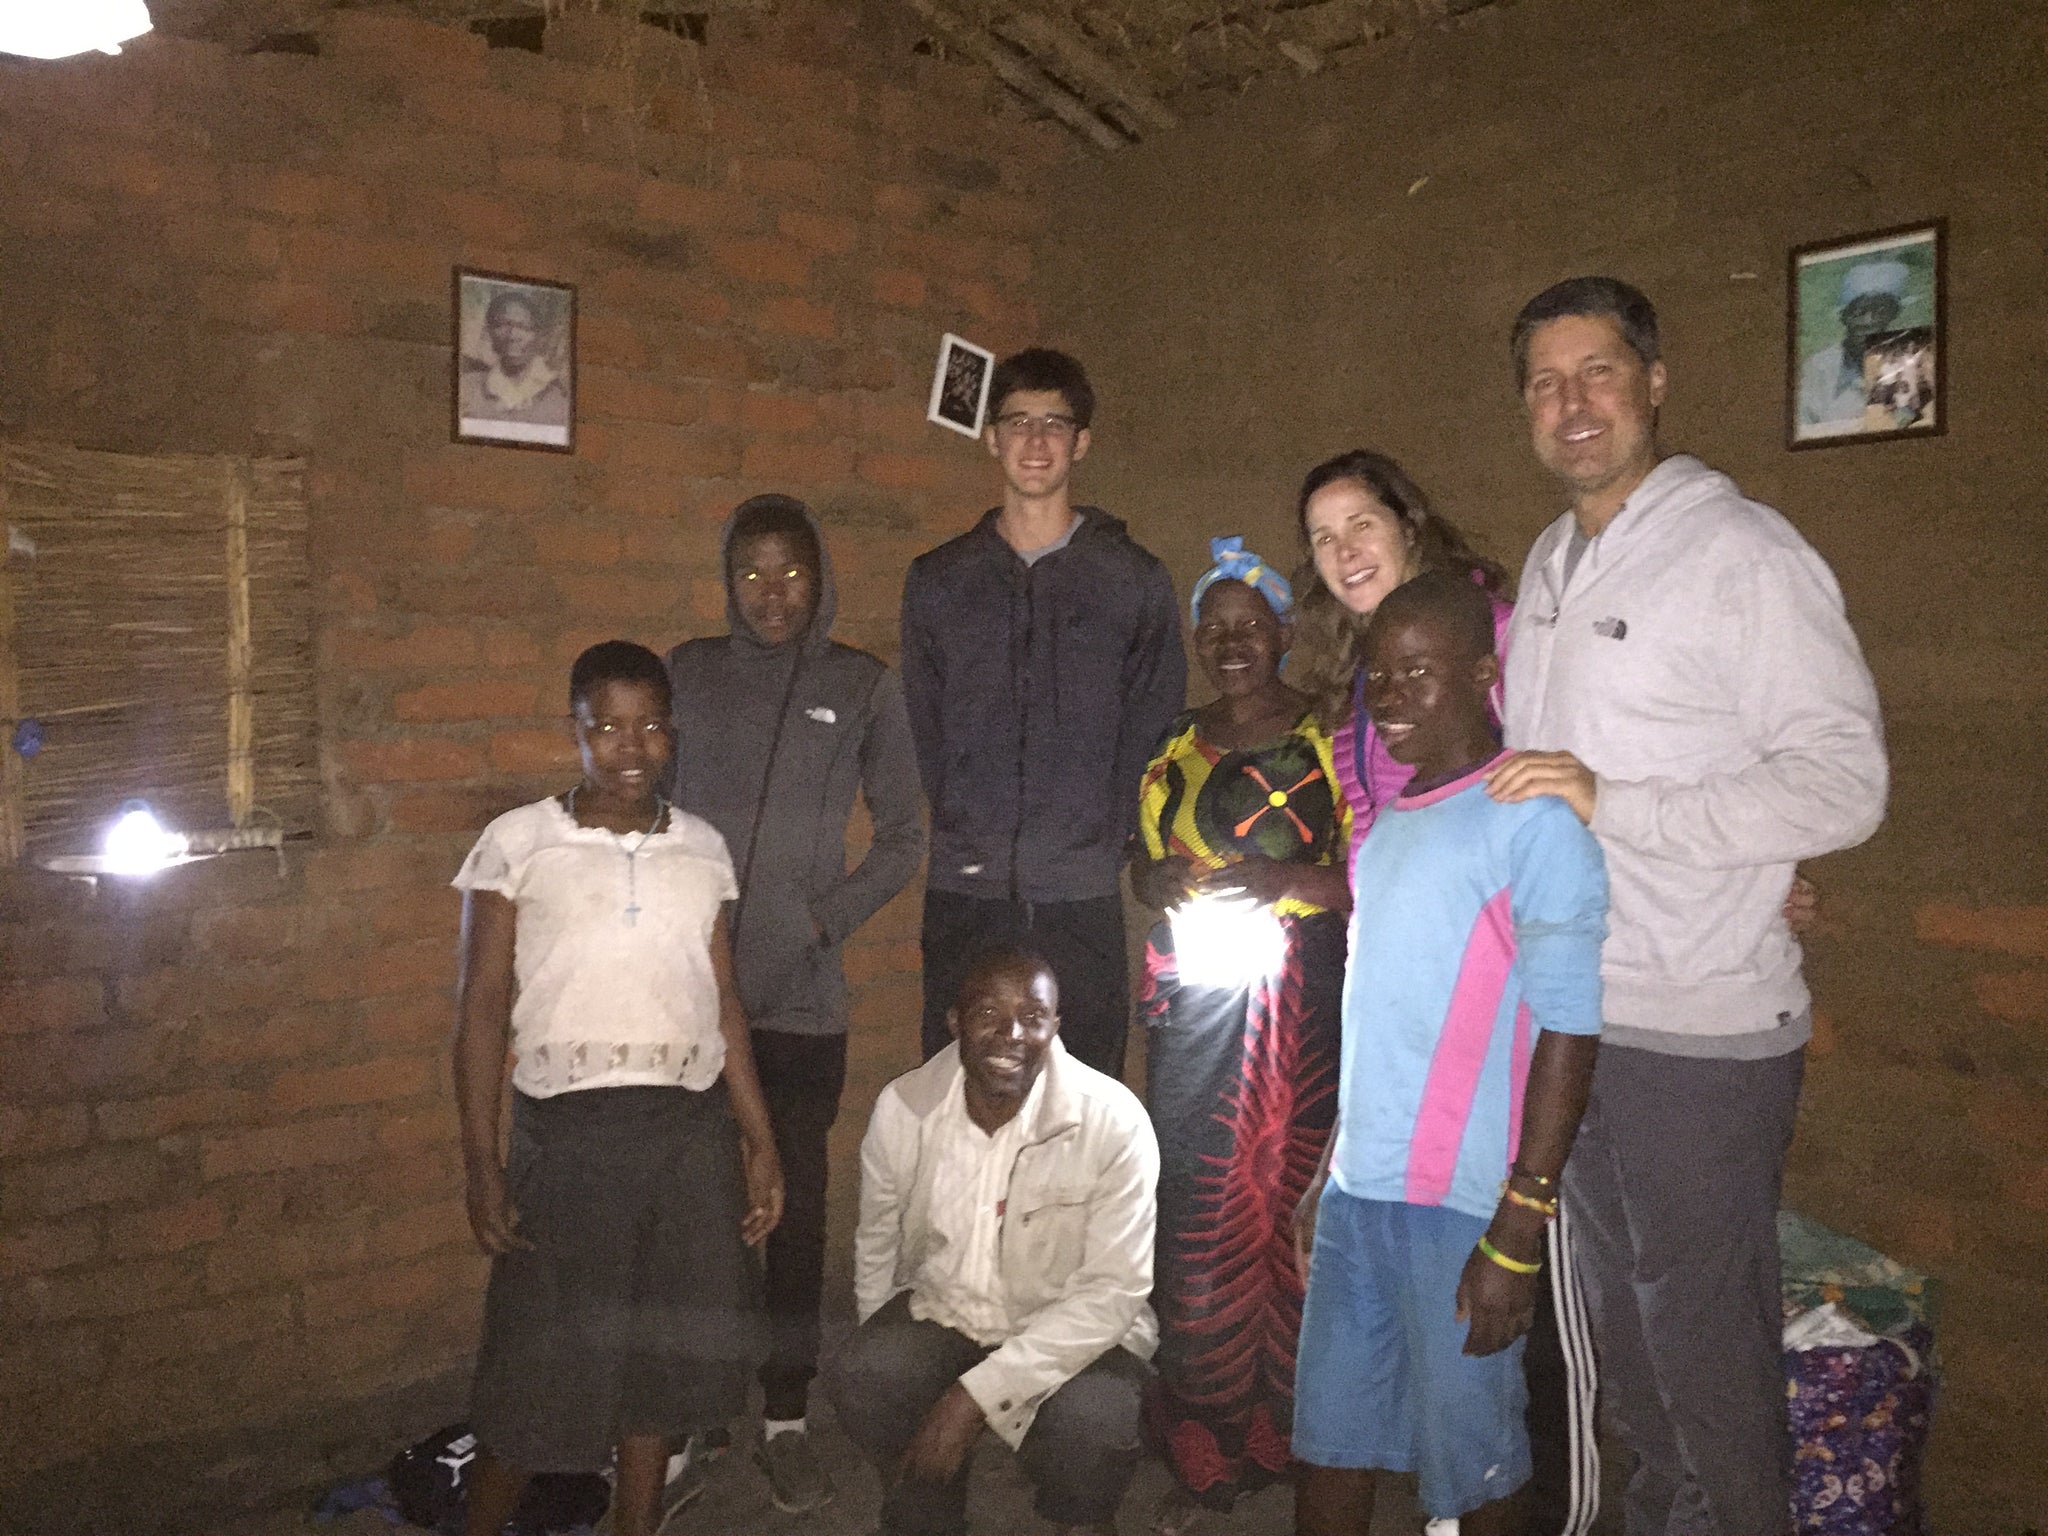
1865 336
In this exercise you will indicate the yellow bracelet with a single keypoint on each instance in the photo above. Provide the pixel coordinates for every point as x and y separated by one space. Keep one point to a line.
1512 1266
1547 1208
1517 1171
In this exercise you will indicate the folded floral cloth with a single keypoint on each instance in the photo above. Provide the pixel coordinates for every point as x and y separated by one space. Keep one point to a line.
1860 1372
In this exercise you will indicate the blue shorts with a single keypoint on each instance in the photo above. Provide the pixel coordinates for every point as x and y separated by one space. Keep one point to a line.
1381 1379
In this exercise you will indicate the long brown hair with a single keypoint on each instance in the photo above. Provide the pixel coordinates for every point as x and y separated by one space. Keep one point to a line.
1327 635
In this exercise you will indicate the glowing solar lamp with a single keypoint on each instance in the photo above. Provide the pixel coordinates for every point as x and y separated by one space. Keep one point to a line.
138 846
1225 939
57 29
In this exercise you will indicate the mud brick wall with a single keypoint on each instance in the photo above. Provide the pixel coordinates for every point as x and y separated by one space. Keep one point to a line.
1337 261
228 1181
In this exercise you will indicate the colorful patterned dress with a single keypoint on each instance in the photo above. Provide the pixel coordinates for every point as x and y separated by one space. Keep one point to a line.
1241 1082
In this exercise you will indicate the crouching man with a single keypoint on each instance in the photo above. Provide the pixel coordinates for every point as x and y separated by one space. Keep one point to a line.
1002 1266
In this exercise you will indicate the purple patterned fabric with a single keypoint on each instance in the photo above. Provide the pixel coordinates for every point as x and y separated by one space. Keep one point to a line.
1859 1431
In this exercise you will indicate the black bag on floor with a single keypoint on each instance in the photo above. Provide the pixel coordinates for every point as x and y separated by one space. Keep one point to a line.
429 1482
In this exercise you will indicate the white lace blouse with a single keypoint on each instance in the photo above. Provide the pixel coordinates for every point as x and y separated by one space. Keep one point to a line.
613 948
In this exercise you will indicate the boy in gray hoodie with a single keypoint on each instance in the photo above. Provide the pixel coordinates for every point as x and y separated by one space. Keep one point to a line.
777 727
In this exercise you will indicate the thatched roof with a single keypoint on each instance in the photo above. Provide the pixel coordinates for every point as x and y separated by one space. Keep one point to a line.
1112 71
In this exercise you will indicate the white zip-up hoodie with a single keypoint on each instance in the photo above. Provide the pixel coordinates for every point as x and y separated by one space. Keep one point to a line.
1701 664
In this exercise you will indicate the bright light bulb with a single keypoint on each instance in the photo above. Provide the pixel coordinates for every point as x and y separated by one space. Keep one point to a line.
138 844
56 29
1226 941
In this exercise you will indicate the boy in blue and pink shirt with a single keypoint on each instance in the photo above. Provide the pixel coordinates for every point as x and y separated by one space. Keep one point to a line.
1471 1022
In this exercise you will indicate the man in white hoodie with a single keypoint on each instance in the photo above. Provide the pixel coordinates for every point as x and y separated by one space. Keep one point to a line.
1681 672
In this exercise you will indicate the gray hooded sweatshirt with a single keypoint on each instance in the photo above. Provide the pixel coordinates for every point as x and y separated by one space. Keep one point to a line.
1699 661
843 728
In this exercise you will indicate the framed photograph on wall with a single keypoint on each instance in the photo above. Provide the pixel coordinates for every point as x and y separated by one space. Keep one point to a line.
1864 333
514 379
960 385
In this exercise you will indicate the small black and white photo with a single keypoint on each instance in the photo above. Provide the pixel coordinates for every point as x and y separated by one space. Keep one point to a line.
960 385
515 361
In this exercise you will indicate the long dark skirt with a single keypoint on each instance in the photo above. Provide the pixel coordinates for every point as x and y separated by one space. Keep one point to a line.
635 1312
1242 1086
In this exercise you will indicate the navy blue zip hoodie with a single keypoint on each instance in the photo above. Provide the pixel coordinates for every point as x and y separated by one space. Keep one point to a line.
1037 693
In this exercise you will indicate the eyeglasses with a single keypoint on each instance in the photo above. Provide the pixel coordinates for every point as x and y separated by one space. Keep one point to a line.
1055 429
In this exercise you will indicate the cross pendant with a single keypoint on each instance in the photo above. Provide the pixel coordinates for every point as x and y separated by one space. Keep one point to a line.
633 915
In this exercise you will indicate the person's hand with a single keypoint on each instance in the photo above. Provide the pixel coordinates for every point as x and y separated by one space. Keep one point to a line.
763 1171
1305 1222
1802 906
1498 1304
1162 883
1264 880
1526 775
492 1217
940 1446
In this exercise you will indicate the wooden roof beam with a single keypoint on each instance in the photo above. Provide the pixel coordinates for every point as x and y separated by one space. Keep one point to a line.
1060 45
1019 76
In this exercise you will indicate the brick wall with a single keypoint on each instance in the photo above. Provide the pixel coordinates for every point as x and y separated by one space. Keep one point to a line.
228 1186
1326 262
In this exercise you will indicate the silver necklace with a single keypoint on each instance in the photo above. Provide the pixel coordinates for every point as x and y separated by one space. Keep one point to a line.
632 913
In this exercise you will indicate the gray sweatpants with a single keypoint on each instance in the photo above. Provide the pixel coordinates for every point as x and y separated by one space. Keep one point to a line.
1673 1187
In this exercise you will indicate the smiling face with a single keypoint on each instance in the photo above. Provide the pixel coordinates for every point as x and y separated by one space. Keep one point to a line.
1239 640
1592 406
625 740
1361 548
775 585
1426 691
1005 1020
1031 433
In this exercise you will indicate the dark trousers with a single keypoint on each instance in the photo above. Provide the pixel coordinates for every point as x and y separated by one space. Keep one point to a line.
1083 942
1563 1493
1081 1451
801 1078
1673 1187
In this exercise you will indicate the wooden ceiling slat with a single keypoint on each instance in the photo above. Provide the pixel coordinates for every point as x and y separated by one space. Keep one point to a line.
1068 51
1019 76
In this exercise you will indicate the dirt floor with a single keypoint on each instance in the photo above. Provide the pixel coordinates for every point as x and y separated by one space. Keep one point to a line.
736 1502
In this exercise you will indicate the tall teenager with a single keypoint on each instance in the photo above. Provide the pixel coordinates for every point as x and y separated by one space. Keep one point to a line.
779 727
1042 660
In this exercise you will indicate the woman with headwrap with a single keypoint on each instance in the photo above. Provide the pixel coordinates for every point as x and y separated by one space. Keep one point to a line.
1244 832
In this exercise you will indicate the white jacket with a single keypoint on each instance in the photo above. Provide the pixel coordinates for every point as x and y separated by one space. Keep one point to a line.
1077 1227
1701 665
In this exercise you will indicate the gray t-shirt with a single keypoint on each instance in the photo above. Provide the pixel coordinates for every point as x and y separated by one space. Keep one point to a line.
1573 553
1033 556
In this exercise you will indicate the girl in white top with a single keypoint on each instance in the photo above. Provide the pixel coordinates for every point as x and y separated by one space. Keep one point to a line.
620 1310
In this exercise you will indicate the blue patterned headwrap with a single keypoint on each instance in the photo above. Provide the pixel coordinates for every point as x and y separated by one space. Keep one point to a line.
1236 563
